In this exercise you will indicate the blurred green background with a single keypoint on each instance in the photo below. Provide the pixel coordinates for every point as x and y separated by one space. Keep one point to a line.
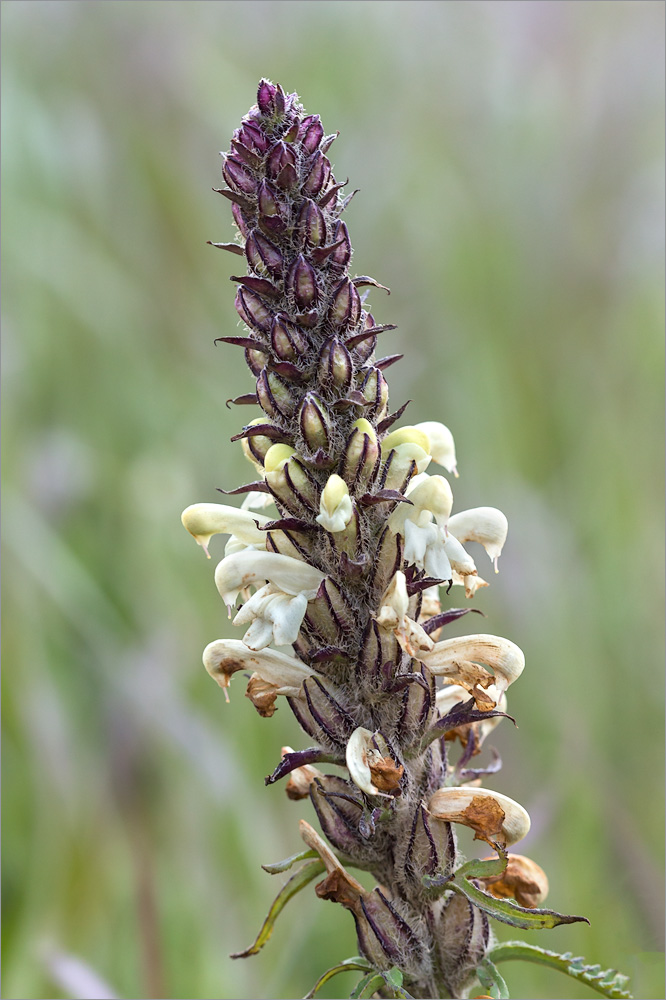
510 161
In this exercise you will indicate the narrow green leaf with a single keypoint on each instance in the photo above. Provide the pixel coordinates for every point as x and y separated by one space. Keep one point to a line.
367 986
489 976
608 982
505 910
297 882
283 866
348 965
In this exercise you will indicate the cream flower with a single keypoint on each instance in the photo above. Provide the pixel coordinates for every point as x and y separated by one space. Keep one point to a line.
393 618
203 520
484 665
273 616
224 657
442 447
250 567
335 506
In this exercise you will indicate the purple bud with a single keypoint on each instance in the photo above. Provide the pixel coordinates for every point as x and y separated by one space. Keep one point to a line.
327 712
280 156
311 133
365 348
301 282
252 137
462 933
394 934
339 811
312 224
360 459
280 104
388 560
275 396
253 310
240 220
335 365
328 615
374 390
318 175
288 341
238 177
345 309
417 702
287 179
266 97
342 255
255 360
246 155
314 422
262 254
269 203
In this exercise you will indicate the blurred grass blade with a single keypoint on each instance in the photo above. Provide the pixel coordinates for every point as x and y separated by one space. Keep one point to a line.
76 978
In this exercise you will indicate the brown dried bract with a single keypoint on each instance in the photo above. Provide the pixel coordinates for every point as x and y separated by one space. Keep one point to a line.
485 816
262 695
339 888
386 774
523 880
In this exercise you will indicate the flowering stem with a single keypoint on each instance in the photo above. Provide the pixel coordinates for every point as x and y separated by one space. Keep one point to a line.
346 563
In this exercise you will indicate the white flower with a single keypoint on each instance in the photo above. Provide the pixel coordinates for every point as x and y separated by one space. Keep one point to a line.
491 815
203 520
224 657
273 616
442 447
485 525
393 618
484 665
251 567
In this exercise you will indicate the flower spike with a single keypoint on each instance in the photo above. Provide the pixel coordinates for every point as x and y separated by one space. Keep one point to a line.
352 569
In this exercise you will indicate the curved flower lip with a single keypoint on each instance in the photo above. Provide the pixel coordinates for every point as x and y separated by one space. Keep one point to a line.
486 525
442 447
458 658
203 520
491 815
223 657
250 567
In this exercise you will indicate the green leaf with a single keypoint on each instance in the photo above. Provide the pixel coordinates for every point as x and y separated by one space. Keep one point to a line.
505 910
297 882
367 986
489 976
608 982
283 866
349 964
393 979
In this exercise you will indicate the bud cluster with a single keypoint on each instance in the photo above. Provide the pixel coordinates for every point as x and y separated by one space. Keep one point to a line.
348 567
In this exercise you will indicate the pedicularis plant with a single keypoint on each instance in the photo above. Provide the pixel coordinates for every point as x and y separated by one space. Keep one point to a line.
349 570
